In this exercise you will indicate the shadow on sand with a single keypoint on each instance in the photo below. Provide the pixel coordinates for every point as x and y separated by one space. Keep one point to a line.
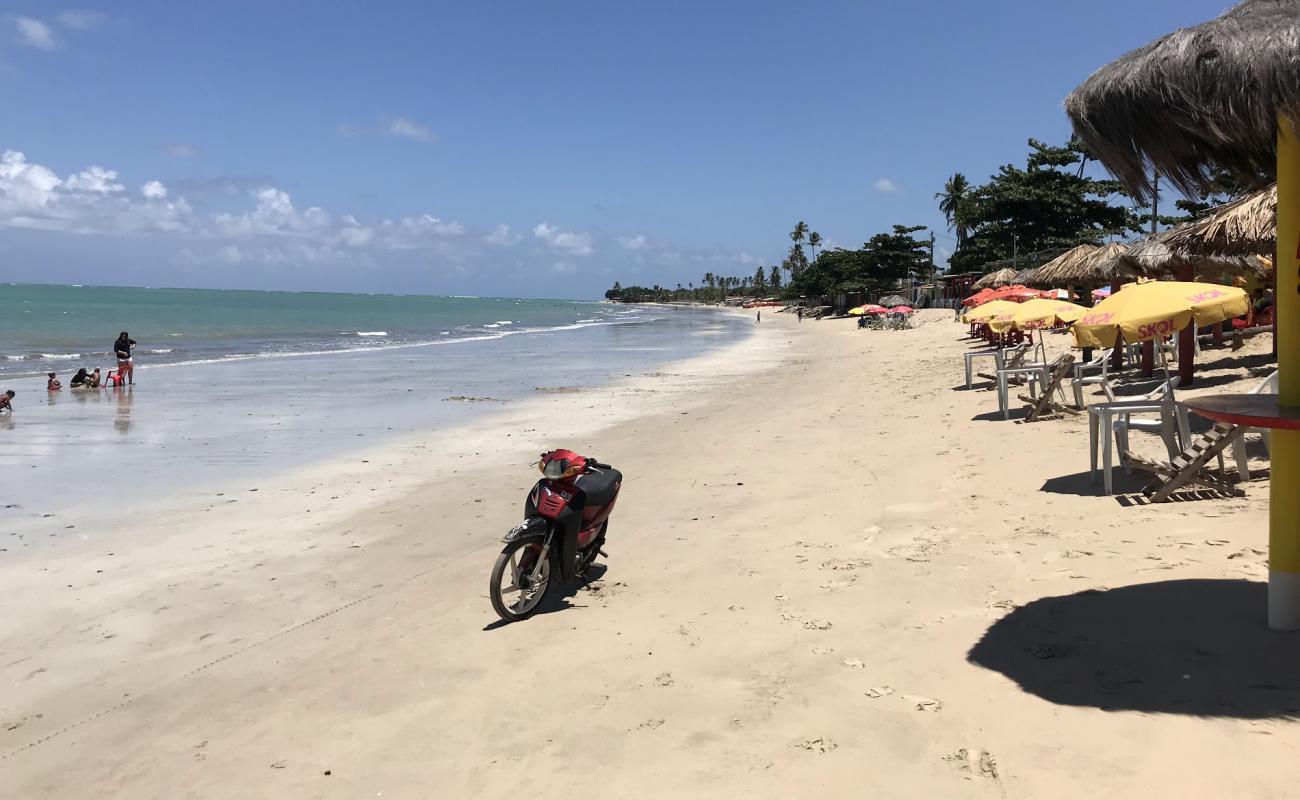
560 598
1198 647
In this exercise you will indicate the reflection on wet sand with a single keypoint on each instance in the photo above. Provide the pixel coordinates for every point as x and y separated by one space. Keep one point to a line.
122 420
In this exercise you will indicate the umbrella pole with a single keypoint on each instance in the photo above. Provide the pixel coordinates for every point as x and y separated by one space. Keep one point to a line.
1284 474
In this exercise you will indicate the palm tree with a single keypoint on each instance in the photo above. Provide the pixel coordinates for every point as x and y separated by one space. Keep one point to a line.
814 241
799 233
954 202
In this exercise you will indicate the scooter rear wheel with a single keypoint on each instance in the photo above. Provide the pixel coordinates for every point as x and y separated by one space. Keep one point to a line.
519 582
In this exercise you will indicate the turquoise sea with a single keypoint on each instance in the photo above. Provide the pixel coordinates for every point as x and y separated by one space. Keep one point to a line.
234 386
54 328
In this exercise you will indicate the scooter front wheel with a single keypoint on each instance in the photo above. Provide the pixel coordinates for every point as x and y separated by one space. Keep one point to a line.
520 578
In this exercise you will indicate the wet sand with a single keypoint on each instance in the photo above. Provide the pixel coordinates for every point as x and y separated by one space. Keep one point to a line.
832 572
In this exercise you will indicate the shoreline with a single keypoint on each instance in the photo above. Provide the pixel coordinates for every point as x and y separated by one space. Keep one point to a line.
816 574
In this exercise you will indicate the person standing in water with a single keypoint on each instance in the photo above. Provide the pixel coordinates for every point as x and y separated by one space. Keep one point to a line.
125 366
760 316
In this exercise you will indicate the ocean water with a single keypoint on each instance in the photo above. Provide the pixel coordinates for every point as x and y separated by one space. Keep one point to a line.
57 328
258 382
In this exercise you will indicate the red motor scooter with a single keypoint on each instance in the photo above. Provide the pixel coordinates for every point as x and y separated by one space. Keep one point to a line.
566 517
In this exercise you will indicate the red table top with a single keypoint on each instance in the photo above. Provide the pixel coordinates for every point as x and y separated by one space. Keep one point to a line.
1255 410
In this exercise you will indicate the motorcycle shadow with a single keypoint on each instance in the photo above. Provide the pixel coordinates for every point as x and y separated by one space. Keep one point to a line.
559 598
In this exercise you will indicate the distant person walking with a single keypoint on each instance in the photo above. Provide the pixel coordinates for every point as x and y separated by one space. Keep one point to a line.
801 313
125 365
759 318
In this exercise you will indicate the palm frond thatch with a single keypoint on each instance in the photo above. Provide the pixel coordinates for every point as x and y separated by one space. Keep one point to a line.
1022 276
1247 226
1002 277
1199 97
1066 269
893 300
1153 257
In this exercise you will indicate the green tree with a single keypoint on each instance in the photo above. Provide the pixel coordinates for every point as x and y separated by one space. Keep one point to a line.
814 241
954 202
797 260
799 233
760 280
774 277
1049 204
887 261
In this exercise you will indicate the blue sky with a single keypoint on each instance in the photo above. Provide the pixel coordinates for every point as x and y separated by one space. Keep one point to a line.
516 148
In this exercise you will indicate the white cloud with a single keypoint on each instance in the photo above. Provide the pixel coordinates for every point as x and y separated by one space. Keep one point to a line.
80 19
90 201
35 33
579 244
502 236
406 129
260 224
95 180
885 185
180 151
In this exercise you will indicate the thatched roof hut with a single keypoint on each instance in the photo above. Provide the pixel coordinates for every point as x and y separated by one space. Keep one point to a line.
1154 257
1202 96
1247 226
1002 277
1063 270
1022 276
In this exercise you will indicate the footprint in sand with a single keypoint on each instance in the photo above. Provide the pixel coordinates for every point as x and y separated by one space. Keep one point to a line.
854 663
817 624
833 586
651 725
977 762
664 679
819 745
845 564
877 692
923 703
822 650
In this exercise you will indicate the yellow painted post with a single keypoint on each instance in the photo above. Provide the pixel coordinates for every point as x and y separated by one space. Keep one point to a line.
1284 475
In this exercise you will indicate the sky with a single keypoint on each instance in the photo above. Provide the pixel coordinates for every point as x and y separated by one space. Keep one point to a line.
512 148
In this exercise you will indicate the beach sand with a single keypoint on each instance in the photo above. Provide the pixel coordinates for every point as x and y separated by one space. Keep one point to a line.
832 573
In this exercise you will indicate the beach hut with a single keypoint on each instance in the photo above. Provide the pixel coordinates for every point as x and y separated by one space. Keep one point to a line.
1244 227
1062 270
1224 94
1002 277
1154 256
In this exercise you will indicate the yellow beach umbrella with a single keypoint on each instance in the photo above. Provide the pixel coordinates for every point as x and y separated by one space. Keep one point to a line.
1146 311
1034 314
858 311
989 310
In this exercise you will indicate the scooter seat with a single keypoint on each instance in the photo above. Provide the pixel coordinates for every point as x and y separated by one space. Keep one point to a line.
600 487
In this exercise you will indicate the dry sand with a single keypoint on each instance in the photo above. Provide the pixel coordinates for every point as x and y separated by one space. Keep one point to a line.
832 573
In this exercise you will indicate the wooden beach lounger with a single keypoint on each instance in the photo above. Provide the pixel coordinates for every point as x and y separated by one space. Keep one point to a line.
1045 406
1189 468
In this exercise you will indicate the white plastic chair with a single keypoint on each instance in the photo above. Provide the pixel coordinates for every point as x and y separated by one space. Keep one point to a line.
1172 424
1268 385
1082 378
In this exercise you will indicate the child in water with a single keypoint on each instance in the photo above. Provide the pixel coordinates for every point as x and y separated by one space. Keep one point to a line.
53 384
5 404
